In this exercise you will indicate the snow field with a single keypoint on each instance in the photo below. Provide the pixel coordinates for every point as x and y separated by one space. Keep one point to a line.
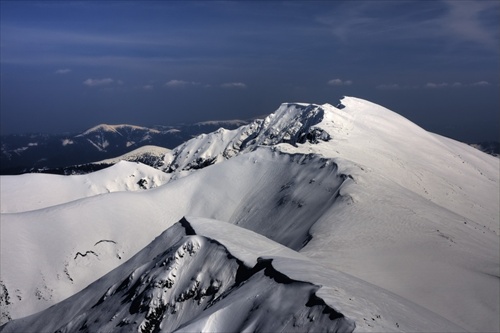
384 214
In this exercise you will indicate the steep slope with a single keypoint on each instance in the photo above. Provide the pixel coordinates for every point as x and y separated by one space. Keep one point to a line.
179 280
292 123
205 275
356 188
425 218
297 188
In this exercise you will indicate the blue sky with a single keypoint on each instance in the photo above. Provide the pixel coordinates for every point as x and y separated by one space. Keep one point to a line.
66 66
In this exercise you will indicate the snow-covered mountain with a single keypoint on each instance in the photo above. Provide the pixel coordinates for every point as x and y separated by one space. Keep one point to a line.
342 216
291 123
150 155
65 152
207 276
40 191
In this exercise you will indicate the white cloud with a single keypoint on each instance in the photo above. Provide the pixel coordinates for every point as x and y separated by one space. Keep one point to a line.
239 85
148 87
433 85
339 82
481 84
63 71
180 83
98 82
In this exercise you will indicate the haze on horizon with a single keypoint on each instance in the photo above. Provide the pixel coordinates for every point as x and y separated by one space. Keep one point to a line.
67 66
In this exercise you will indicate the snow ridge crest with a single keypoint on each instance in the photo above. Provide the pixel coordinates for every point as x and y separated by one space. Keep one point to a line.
183 281
292 123
116 129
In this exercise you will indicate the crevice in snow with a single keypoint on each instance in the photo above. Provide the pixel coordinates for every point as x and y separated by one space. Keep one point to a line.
85 254
105 241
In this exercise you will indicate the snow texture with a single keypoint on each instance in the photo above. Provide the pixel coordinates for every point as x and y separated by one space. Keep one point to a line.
186 282
393 227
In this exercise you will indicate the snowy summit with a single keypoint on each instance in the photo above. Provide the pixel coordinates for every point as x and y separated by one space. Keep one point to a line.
316 218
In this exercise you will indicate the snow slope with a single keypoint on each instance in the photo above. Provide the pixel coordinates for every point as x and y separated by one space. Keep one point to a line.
426 212
34 191
230 191
153 154
358 189
208 276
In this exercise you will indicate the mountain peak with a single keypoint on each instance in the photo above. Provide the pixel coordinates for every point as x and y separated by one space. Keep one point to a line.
292 123
116 128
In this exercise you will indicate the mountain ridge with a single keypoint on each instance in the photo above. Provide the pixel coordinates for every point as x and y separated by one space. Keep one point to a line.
43 152
72 153
377 201
127 297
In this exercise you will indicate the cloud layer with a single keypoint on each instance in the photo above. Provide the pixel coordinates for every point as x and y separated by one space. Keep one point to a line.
339 82
180 83
98 82
237 85
63 71
432 85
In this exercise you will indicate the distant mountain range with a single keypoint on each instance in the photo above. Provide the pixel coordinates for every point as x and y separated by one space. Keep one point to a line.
103 145
21 153
489 147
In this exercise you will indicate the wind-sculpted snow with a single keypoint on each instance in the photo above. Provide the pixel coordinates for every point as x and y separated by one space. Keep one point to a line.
292 123
188 282
305 188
